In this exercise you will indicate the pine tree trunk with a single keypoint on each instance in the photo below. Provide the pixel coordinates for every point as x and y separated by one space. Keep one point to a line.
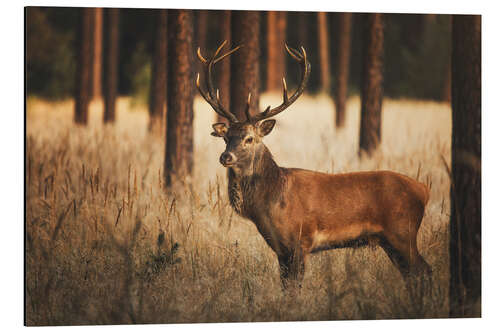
200 18
224 67
179 136
97 57
446 94
465 219
447 85
372 91
324 52
303 30
158 98
201 25
276 35
111 63
344 54
84 69
245 26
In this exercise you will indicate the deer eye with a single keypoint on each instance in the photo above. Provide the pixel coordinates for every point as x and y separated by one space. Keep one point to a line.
249 140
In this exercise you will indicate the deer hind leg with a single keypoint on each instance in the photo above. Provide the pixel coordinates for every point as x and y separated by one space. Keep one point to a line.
403 252
292 268
415 270
396 257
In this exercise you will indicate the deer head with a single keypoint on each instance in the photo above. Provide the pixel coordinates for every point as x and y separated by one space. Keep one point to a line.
244 137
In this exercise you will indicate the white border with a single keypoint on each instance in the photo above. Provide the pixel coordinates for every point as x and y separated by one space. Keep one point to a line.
12 136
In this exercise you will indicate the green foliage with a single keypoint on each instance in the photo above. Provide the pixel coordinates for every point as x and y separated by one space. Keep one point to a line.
50 52
417 55
138 72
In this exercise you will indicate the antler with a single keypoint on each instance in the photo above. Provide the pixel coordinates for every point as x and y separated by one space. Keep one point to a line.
208 95
300 57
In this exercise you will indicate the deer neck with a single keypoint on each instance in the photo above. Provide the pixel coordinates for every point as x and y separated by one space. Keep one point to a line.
247 190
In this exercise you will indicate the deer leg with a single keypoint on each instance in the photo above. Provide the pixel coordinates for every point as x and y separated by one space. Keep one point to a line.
292 268
414 269
396 258
283 261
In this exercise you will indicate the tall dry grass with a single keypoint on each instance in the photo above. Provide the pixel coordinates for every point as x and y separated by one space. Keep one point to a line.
106 244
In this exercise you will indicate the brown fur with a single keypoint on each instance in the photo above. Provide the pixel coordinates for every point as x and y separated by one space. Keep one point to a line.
299 212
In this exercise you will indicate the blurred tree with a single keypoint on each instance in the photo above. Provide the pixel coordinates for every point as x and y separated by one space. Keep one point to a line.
300 32
415 67
324 52
111 63
179 136
97 56
82 93
276 35
465 219
343 55
201 25
447 85
224 67
447 65
158 98
372 91
245 65
200 30
303 30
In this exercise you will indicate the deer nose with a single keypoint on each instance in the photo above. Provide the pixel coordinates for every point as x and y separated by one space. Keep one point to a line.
227 158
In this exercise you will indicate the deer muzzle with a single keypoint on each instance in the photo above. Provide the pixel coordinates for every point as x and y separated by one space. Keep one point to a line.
227 159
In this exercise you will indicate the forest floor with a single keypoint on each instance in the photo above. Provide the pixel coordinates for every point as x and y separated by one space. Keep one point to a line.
106 244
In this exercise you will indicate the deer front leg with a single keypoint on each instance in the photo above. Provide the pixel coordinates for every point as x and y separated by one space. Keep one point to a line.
292 267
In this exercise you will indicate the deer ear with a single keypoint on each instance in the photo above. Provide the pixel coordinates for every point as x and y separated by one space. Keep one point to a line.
220 130
266 127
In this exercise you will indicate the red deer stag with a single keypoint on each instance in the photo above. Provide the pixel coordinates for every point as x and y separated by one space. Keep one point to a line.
299 212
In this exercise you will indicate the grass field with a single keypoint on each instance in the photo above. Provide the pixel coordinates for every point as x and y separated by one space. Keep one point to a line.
106 244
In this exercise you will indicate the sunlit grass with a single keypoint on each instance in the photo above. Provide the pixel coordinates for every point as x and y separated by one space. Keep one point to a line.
107 244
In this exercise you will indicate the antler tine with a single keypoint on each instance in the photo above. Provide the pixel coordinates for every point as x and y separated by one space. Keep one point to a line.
293 52
208 95
215 60
227 54
300 57
198 53
285 92
221 46
210 101
247 109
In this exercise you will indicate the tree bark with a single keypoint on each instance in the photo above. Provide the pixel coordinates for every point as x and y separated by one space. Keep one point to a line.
245 26
97 57
224 67
303 30
276 35
372 91
302 34
158 98
200 18
179 136
84 69
446 94
447 85
343 55
201 28
112 58
465 219
324 52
